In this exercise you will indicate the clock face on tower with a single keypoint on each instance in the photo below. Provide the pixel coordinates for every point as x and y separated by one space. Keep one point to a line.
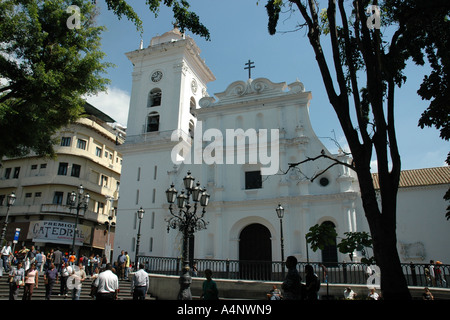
156 76
194 86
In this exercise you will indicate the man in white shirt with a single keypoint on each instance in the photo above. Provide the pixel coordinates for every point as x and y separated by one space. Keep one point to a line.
75 280
6 252
107 284
140 283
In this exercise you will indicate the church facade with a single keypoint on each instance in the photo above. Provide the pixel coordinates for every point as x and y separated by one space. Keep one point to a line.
238 146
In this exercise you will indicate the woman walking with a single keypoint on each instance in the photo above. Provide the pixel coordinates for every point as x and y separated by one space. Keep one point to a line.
16 280
31 281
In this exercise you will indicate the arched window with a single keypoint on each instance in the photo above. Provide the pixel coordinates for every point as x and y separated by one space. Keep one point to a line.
153 122
191 129
193 106
154 98
329 252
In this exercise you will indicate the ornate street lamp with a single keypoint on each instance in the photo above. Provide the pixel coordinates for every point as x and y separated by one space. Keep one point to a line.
10 199
187 221
280 213
140 214
78 202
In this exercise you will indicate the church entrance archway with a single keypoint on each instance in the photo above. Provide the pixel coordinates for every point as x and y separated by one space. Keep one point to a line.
255 252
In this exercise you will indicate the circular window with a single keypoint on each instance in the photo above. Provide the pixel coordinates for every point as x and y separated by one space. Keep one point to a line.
324 182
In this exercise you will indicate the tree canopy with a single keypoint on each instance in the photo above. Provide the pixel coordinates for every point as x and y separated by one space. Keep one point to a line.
50 58
45 68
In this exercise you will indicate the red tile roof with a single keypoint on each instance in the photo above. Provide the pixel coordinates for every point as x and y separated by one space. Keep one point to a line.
420 177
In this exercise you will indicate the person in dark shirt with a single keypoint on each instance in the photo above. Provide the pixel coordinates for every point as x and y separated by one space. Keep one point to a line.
50 278
292 287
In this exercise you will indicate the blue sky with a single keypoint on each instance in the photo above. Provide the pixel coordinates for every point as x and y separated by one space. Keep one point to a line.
238 33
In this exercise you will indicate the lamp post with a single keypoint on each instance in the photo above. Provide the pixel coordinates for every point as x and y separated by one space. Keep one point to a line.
280 213
187 221
109 223
78 202
10 199
140 214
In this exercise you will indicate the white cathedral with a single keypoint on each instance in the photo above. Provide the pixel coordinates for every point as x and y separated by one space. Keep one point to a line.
175 127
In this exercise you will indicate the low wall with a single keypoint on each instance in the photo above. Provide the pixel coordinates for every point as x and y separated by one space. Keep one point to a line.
167 287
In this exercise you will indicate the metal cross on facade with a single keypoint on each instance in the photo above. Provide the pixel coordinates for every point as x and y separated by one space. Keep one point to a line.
249 67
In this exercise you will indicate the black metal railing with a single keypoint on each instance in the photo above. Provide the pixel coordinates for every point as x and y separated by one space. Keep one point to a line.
338 273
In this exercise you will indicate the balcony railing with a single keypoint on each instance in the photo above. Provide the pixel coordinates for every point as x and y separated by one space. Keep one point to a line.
338 273
60 208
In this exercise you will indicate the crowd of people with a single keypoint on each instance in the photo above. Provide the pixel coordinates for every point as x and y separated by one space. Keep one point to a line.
434 276
24 267
69 272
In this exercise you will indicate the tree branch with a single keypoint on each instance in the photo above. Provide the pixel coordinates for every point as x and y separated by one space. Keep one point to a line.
313 35
322 155
331 13
353 78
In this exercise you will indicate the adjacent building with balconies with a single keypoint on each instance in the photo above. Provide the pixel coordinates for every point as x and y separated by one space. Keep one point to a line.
86 154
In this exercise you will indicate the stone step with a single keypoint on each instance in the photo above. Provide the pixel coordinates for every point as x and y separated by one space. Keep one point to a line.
39 292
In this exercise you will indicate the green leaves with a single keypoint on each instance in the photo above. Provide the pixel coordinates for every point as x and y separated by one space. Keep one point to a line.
320 236
355 241
186 19
323 235
122 8
47 67
273 8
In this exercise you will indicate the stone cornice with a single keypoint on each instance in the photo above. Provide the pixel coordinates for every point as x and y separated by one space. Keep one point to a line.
257 93
187 45
301 200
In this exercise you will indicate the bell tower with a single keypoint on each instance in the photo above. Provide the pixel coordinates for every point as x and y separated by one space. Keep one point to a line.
169 78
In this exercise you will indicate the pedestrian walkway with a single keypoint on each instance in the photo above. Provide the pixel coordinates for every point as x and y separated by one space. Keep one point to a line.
39 293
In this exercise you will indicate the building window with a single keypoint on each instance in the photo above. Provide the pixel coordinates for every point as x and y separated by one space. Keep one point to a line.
65 141
191 129
68 203
153 221
98 151
81 144
58 197
100 207
7 173
16 173
154 98
76 169
62 169
33 166
104 181
153 122
329 252
324 182
253 180
193 106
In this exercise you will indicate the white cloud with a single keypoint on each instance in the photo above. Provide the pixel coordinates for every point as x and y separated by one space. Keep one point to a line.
114 102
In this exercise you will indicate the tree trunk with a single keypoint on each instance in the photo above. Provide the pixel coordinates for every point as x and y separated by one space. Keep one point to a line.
382 222
383 230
